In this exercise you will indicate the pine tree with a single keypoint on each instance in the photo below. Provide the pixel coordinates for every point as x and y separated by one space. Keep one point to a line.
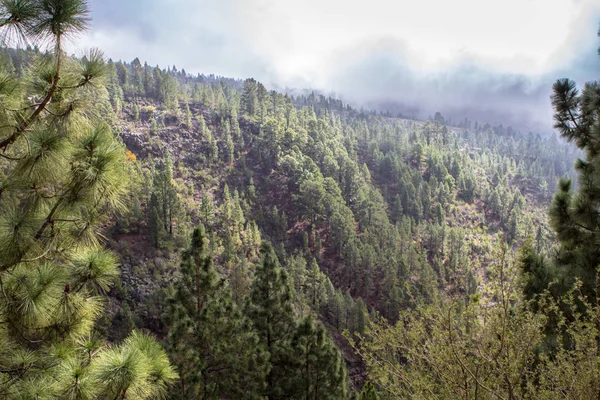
314 285
573 214
203 130
235 125
207 210
228 149
249 101
212 148
368 392
239 280
122 74
321 373
214 346
139 369
148 80
440 217
270 309
63 173
136 112
138 85
251 190
303 362
155 226
153 127
187 114
167 199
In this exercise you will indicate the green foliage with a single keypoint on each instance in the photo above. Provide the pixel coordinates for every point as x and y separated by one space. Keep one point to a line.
137 369
321 373
368 392
447 350
367 213
573 213
531 333
270 310
63 173
303 363
212 343
165 210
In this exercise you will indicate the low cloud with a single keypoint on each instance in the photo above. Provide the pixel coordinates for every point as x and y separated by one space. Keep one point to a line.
380 77
488 61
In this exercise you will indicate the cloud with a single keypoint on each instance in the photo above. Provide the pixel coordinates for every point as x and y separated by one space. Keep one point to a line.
379 75
391 74
198 35
499 57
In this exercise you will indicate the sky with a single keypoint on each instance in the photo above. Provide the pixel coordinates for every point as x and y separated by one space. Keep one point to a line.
481 58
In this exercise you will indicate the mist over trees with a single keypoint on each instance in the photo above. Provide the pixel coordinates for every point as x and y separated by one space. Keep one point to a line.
168 235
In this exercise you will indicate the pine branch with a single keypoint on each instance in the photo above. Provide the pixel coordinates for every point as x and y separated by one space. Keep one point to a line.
41 255
11 158
42 106
48 220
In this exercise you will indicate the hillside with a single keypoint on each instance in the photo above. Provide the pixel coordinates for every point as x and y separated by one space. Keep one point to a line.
393 212
277 246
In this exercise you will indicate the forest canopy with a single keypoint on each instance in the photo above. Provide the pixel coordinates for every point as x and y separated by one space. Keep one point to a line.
168 235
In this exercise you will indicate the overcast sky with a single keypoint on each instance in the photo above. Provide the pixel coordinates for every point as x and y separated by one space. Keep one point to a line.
427 52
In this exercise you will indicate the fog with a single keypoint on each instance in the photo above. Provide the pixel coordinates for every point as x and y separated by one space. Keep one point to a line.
379 78
487 60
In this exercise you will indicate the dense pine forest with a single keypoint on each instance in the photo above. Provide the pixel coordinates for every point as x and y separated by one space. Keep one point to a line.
178 236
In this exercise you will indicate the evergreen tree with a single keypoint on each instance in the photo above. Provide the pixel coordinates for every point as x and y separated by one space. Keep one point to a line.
188 116
249 101
62 174
207 211
139 369
212 148
122 74
573 214
213 344
155 226
314 282
303 362
153 127
203 130
321 373
167 199
270 309
235 125
228 148
137 81
368 392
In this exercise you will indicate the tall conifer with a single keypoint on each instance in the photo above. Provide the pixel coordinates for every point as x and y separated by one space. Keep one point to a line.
62 172
212 343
